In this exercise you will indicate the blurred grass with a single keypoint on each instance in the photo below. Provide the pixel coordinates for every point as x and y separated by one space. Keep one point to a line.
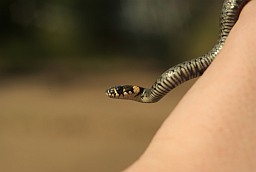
75 127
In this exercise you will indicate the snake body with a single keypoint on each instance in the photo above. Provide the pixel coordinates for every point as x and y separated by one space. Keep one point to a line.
184 71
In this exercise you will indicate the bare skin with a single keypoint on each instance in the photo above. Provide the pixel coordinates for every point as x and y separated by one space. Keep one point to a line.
213 128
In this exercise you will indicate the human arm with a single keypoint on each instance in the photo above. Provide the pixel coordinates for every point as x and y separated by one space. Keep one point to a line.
213 128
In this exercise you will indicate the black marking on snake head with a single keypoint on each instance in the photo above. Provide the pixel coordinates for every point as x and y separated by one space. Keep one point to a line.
128 89
120 90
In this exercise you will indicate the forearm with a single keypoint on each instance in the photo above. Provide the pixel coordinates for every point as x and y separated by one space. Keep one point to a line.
214 126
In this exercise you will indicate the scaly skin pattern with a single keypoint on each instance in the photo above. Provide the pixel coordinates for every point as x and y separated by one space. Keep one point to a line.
185 71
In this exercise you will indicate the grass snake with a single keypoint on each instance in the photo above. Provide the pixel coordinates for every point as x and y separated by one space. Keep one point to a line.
184 71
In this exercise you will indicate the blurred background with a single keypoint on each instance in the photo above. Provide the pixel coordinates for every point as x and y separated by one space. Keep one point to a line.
58 57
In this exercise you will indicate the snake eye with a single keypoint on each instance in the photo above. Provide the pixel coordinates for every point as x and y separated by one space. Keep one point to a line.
119 90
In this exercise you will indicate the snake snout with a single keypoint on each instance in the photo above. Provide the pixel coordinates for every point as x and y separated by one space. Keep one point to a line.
110 92
115 92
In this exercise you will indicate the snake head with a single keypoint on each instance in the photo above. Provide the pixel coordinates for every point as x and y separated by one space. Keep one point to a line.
128 92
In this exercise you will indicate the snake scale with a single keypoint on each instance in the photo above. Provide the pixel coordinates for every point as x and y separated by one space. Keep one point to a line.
184 71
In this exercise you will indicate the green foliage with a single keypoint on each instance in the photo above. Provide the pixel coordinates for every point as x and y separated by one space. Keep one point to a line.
35 32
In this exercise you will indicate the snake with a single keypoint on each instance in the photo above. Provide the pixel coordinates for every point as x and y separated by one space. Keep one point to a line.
184 71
